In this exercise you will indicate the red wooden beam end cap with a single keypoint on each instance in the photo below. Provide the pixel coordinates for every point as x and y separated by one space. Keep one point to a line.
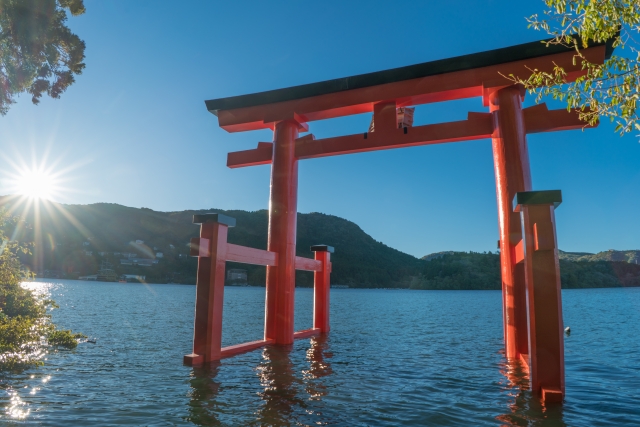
193 359
549 197
214 217
322 248
551 396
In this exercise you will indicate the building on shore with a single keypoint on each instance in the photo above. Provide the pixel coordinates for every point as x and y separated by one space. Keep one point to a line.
237 276
142 262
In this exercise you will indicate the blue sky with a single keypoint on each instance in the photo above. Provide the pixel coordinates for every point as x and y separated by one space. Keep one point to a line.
134 130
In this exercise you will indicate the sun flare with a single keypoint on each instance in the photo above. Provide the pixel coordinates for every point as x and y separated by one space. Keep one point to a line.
35 181
35 184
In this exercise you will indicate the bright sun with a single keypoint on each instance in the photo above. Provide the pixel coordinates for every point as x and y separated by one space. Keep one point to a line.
35 184
35 181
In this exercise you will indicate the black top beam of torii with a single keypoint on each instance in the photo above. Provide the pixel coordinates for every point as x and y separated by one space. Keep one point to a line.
382 92
442 66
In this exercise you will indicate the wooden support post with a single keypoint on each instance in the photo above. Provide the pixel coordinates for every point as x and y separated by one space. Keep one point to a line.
544 301
283 208
211 250
321 288
511 164
385 117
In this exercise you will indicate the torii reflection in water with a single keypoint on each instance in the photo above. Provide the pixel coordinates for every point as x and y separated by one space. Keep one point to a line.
283 391
526 409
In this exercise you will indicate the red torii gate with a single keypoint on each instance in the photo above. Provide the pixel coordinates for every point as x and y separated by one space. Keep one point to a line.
532 309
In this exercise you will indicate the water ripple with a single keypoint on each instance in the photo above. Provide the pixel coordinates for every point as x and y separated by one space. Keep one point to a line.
392 358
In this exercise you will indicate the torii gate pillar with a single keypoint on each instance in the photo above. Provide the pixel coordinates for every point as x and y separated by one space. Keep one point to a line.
513 174
283 209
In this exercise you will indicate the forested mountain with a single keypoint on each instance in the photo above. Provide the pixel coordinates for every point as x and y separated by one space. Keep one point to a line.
632 257
459 270
76 240
462 270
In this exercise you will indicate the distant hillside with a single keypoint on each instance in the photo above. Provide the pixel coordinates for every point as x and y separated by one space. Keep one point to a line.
438 255
462 270
459 270
76 239
632 257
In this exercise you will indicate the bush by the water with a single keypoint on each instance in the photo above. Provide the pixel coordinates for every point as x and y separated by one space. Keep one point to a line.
64 338
25 325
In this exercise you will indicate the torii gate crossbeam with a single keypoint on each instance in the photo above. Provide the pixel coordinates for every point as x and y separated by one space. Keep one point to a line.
529 257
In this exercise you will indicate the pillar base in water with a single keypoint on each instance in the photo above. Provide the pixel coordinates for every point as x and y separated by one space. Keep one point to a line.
192 359
551 396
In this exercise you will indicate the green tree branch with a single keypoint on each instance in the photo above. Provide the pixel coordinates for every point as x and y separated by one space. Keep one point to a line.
608 90
38 52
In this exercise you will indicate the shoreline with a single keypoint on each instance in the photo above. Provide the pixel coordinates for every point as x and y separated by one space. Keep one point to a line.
45 279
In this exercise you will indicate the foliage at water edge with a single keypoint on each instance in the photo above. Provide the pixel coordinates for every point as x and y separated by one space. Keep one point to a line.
25 325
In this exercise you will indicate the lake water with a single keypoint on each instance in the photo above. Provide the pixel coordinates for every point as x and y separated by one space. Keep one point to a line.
394 357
